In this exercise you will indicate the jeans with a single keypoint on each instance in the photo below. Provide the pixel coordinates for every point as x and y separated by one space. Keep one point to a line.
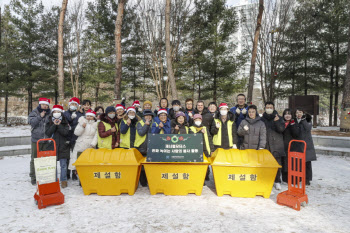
33 156
64 166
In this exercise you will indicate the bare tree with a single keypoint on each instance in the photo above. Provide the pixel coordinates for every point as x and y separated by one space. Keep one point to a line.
345 117
255 48
118 48
169 59
60 51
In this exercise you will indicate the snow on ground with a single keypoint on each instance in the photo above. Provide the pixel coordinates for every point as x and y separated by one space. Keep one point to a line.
328 209
13 131
327 128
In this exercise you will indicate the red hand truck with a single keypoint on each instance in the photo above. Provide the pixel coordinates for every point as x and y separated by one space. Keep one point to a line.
50 193
295 196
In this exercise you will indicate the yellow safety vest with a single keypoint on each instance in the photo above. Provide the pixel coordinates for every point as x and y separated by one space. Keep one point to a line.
125 138
140 139
106 142
217 137
206 139
161 130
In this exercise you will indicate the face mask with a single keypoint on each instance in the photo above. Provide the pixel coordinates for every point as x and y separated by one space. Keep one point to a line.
131 117
176 108
73 108
111 115
198 123
56 115
269 111
223 112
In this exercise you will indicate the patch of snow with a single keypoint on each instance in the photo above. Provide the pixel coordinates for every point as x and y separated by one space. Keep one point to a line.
339 149
331 137
13 131
18 147
328 209
332 128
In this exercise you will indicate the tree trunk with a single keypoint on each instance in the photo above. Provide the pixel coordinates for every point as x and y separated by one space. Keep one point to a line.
345 113
336 94
60 51
254 52
118 49
305 67
171 75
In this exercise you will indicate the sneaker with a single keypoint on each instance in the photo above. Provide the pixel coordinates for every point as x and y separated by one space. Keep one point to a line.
64 184
278 186
307 182
33 182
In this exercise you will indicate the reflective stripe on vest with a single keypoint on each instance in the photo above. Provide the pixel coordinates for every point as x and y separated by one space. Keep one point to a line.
106 142
139 139
206 139
217 137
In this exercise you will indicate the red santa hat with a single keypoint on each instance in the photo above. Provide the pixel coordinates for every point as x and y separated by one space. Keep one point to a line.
90 112
57 108
119 106
223 105
131 109
136 103
74 100
44 101
162 110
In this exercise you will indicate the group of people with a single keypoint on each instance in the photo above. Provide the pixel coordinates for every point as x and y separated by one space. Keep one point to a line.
240 127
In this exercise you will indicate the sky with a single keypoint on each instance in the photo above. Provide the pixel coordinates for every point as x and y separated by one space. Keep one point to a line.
49 3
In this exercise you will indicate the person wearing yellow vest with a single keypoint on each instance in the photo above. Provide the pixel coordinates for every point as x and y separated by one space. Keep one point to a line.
198 127
161 123
120 109
128 128
179 125
108 129
224 129
143 128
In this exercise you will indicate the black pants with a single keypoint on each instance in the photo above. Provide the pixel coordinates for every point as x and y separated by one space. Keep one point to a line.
308 171
278 175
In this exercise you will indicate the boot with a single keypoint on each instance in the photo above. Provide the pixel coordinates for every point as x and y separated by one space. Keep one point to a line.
74 175
33 181
207 175
64 184
68 174
307 182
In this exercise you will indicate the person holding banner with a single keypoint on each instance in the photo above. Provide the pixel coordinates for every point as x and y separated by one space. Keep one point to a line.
57 128
128 128
224 129
108 129
179 125
198 127
162 123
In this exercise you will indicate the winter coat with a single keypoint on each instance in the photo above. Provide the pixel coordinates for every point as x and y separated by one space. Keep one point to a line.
274 134
207 117
102 129
292 132
157 130
225 144
38 124
72 123
305 135
59 133
182 127
87 138
255 136
132 127
239 117
142 131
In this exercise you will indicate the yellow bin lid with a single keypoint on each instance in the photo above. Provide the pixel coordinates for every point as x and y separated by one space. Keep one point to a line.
243 158
118 156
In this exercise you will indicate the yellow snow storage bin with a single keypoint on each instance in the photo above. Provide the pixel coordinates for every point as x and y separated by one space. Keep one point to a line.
109 172
176 178
244 173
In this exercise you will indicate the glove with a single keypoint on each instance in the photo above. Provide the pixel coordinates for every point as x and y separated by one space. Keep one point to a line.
139 109
244 111
74 115
292 122
190 114
218 125
246 128
308 117
123 98
157 108
303 117
238 111
234 146
261 148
